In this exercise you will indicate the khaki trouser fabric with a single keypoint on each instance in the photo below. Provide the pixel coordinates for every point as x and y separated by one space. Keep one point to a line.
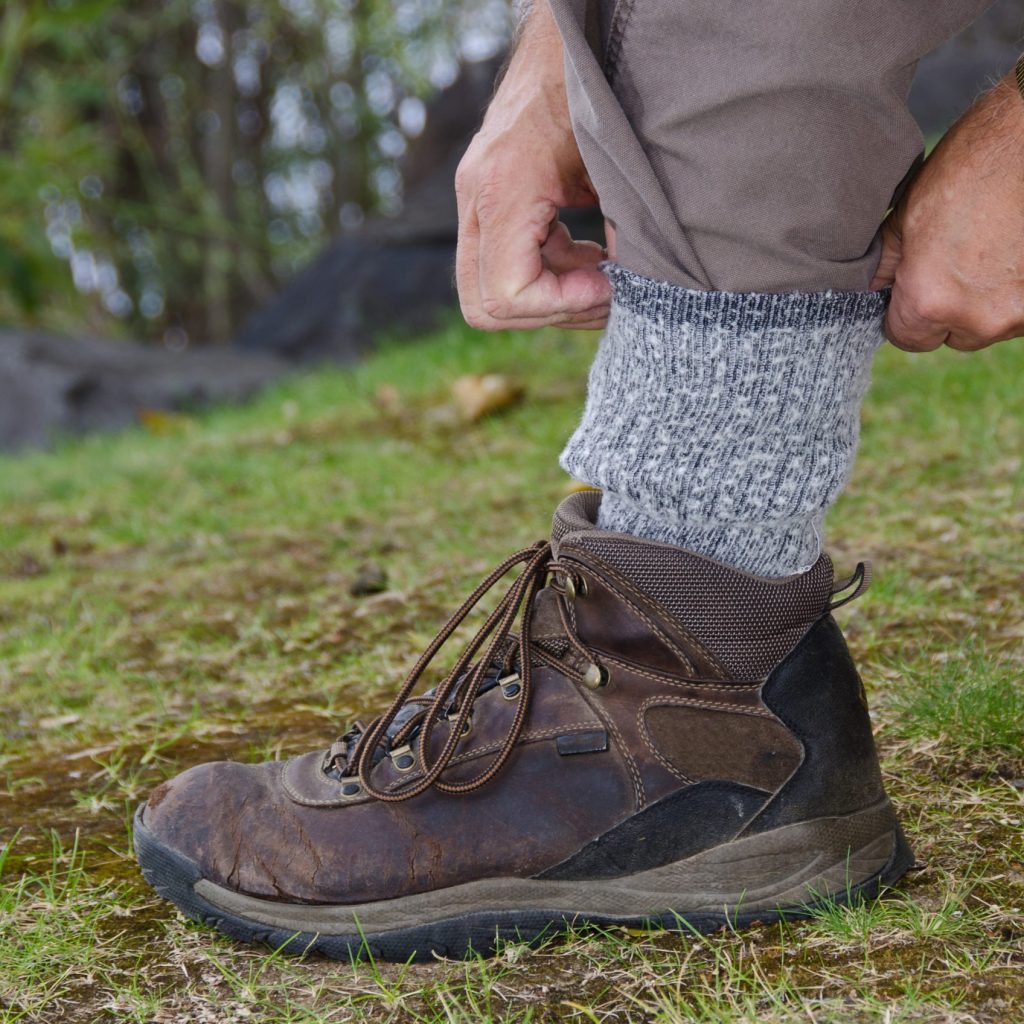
749 146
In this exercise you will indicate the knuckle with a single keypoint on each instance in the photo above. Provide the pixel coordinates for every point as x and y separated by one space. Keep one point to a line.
990 327
930 304
489 201
464 175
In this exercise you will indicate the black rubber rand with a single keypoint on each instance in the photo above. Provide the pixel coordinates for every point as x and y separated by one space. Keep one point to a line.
174 876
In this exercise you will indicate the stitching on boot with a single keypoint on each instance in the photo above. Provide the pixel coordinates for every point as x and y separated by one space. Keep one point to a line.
668 680
645 732
683 631
638 783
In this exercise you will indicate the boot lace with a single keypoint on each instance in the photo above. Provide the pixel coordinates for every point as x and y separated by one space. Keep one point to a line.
356 753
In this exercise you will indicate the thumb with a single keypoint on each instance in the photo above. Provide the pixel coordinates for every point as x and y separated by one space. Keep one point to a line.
892 253
563 255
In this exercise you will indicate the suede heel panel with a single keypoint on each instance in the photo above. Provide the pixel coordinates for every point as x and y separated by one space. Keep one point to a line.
816 691
705 744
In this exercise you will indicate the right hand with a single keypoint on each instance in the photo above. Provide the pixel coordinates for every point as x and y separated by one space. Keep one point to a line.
516 265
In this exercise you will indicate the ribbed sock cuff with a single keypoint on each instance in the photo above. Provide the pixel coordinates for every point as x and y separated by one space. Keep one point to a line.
726 423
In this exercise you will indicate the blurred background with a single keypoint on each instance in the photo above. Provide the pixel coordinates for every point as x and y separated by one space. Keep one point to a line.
254 182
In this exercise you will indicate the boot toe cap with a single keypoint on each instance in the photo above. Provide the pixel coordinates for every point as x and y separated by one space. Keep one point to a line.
223 817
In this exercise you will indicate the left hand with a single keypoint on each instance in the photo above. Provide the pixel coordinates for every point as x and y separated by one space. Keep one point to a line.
953 249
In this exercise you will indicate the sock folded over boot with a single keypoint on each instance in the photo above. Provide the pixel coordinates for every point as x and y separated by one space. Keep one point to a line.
726 423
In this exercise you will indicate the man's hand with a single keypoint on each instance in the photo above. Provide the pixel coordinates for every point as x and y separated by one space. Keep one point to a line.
953 249
516 265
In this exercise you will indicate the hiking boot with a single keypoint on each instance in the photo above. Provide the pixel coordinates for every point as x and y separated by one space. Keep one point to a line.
666 741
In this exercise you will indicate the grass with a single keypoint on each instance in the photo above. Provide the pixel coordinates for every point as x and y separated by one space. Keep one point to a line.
181 592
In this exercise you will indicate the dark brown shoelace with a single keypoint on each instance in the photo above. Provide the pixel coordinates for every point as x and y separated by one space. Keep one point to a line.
453 698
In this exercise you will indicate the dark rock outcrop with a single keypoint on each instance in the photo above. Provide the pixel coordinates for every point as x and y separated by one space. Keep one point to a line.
51 386
951 77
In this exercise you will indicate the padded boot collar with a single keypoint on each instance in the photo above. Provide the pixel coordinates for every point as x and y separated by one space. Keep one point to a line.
750 623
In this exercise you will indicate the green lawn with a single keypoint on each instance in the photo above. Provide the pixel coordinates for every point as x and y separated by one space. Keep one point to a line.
180 593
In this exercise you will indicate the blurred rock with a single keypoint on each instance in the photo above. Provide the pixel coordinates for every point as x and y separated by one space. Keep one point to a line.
951 77
370 578
51 386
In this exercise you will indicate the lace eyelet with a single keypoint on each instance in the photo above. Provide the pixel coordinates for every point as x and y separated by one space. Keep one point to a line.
596 677
511 686
403 758
350 790
569 585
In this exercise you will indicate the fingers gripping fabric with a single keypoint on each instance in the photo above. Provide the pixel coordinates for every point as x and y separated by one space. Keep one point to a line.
726 423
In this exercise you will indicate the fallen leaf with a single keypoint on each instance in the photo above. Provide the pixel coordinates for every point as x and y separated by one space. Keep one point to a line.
160 421
476 395
387 398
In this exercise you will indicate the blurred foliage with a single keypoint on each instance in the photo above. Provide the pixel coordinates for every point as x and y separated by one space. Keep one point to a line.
164 164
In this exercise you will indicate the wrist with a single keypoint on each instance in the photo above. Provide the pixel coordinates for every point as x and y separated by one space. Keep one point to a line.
537 51
534 78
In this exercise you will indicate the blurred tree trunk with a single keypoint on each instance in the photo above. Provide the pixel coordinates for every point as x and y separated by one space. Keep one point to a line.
217 146
14 25
165 164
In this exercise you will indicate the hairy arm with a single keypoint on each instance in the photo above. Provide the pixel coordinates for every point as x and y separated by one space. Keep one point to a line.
953 249
516 264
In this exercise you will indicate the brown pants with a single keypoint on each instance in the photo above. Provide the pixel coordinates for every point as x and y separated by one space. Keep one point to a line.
749 145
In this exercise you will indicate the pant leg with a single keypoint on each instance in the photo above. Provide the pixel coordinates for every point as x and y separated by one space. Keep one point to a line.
749 147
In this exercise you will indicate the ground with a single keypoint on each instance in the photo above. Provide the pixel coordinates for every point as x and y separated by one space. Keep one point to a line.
181 592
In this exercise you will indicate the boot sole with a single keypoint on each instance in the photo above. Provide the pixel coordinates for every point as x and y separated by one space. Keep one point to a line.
785 873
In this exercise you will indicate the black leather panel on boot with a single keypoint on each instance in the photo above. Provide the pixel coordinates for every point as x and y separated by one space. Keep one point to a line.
687 822
817 692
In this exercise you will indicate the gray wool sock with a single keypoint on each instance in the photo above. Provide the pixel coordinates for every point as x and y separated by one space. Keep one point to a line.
726 423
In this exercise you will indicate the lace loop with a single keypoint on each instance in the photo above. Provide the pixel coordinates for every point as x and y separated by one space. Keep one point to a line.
453 698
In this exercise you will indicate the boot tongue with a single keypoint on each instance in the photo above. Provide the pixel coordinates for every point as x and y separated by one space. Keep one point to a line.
546 630
749 623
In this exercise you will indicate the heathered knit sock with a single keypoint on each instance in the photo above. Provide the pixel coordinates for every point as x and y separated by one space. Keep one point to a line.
726 423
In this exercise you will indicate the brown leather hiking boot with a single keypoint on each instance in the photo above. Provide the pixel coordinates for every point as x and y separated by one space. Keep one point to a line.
667 740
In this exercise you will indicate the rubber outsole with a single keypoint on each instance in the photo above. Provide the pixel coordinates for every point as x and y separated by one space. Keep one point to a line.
175 878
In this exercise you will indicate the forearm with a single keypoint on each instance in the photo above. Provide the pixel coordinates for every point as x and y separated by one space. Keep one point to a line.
995 122
535 65
535 24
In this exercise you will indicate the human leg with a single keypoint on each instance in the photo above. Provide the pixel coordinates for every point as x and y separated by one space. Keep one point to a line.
745 180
